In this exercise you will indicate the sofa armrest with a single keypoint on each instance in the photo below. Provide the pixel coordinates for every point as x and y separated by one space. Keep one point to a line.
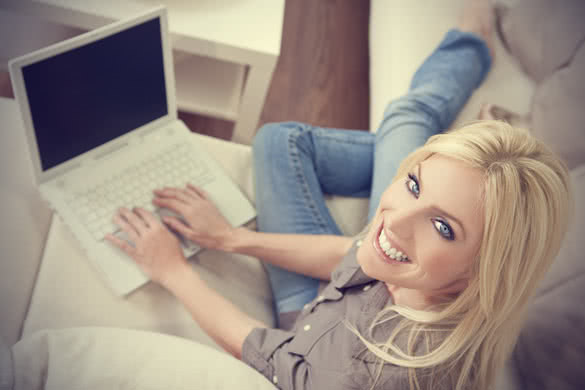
107 358
24 225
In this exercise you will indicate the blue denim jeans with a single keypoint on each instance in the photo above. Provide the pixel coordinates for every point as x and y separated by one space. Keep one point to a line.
296 164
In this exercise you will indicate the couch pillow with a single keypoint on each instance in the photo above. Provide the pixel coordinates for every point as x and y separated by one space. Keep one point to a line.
558 114
543 34
5 366
111 358
551 347
547 40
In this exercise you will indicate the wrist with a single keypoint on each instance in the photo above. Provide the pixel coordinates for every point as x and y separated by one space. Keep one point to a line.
230 241
176 276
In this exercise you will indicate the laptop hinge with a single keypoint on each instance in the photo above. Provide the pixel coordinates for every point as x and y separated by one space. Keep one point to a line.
110 150
63 171
146 133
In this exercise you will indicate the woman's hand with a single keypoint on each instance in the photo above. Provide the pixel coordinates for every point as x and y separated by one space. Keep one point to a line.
156 250
205 224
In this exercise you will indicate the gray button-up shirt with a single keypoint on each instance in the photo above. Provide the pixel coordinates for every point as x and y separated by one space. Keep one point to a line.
320 352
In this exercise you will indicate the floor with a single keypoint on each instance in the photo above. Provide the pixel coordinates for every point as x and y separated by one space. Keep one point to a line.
322 73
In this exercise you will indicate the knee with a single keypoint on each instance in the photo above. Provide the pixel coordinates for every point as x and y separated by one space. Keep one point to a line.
273 139
407 106
267 135
408 110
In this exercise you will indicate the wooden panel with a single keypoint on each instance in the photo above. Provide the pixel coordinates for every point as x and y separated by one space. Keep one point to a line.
322 73
5 85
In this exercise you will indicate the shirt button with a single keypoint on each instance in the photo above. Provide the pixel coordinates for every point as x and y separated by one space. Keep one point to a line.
320 298
275 379
306 307
359 243
367 287
307 327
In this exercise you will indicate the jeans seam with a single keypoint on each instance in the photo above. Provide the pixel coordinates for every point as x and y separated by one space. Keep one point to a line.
295 159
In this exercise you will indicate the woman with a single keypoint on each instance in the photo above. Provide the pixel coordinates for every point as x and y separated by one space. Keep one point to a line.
431 294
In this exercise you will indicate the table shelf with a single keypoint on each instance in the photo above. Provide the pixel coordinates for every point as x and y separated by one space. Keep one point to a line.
208 86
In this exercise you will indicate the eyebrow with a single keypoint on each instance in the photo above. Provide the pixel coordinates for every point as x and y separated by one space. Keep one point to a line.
438 209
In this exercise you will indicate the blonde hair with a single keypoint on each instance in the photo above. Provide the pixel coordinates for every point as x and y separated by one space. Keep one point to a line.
527 203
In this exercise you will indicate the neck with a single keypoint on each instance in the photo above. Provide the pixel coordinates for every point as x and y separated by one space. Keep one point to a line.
415 299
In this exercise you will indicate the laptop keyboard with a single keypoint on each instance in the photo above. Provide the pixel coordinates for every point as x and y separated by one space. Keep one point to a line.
173 167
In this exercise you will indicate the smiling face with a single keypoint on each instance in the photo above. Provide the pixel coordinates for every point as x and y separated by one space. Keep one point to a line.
427 229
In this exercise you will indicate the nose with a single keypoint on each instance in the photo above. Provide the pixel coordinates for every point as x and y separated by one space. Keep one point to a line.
402 221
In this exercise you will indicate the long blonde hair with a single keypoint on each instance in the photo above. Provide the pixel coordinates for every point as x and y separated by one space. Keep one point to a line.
527 203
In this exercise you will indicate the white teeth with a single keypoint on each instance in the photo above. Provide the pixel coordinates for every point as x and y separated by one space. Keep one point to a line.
383 238
391 252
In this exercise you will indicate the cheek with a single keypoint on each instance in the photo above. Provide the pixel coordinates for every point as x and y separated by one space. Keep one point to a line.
444 263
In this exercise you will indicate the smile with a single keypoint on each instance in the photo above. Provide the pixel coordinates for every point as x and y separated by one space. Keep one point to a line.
388 251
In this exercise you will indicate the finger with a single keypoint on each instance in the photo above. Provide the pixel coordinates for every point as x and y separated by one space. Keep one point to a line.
172 204
175 193
146 223
125 226
134 219
198 190
147 216
193 194
178 225
124 245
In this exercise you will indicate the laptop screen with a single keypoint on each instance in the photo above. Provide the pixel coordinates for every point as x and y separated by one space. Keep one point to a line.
87 96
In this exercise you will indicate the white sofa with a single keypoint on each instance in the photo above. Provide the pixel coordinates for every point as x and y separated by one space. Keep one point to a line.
63 326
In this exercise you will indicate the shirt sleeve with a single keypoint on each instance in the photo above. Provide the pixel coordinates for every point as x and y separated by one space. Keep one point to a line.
267 351
259 349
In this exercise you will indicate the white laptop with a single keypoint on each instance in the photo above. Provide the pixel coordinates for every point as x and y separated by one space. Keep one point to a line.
100 116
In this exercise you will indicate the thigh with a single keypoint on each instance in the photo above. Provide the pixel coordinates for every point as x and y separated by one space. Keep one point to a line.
296 165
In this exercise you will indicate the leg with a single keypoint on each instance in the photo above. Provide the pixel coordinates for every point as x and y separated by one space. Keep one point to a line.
439 89
295 165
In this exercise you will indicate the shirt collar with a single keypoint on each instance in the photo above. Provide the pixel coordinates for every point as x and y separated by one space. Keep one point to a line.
349 273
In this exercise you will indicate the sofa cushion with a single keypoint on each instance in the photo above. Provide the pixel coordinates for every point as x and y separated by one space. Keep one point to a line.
69 291
558 116
6 368
542 35
24 226
106 358
551 348
548 42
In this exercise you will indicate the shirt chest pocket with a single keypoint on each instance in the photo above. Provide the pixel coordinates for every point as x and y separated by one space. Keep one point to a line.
311 334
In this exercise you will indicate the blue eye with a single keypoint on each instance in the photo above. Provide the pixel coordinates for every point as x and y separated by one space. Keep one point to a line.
444 229
412 185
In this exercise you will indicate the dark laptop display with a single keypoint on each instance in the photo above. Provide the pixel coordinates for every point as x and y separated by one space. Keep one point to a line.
88 96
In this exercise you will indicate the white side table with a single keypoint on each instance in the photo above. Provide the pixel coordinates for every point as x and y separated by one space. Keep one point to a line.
225 51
